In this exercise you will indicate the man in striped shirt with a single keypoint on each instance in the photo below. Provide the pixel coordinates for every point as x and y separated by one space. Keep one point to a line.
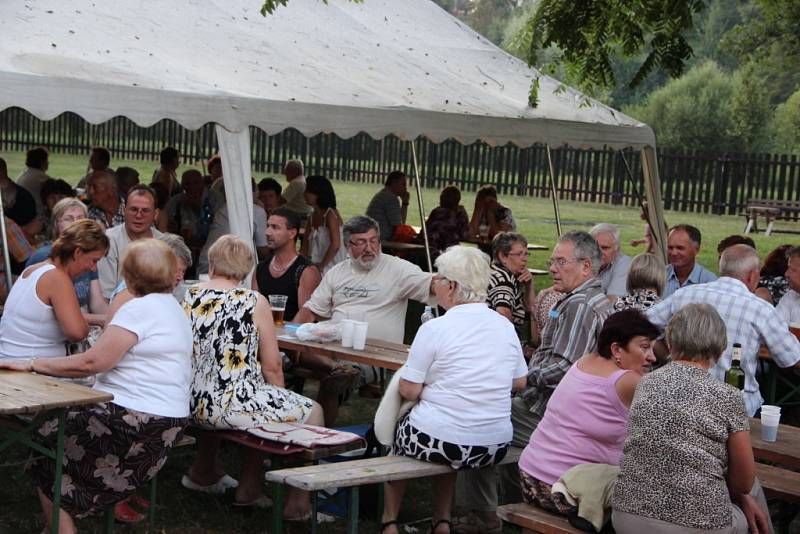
750 321
571 332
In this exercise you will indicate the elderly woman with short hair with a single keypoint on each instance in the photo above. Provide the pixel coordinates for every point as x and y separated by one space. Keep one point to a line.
646 280
687 465
87 287
183 255
461 369
238 375
511 292
115 447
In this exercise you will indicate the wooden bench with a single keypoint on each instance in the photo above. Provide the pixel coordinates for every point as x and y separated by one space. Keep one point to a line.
778 483
358 473
534 519
770 210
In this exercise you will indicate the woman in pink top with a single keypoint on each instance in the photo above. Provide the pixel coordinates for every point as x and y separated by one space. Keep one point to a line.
586 417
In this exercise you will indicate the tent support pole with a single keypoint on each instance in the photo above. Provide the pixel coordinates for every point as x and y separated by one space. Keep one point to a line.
421 207
655 205
6 255
553 193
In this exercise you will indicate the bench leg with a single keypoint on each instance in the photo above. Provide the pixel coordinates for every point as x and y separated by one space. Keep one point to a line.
278 492
769 228
352 525
748 226
313 512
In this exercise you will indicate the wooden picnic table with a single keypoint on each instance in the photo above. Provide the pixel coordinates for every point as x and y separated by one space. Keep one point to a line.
377 353
397 246
775 375
475 241
31 394
784 451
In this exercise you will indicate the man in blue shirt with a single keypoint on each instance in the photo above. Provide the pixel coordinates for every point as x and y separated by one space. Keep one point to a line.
683 245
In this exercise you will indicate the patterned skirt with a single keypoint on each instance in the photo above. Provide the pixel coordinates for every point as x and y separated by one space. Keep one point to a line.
410 441
109 451
534 491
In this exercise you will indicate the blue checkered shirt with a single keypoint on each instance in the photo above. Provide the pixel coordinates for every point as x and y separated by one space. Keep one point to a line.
749 320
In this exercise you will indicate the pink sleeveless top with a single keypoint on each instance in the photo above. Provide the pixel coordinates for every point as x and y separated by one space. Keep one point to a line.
585 422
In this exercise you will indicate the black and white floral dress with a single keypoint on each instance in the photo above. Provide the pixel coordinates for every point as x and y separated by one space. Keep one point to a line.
228 389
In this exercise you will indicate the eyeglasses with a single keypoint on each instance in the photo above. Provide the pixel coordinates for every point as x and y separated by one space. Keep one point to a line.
558 263
361 243
139 211
522 253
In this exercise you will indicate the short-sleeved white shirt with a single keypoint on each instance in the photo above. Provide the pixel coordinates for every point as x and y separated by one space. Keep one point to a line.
154 375
378 296
789 308
467 360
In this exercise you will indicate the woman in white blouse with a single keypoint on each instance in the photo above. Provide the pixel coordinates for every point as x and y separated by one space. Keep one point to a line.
461 369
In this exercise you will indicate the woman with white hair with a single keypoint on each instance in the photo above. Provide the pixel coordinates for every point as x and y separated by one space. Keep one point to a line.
461 369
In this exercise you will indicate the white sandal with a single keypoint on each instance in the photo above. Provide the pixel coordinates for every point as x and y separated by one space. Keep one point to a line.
219 487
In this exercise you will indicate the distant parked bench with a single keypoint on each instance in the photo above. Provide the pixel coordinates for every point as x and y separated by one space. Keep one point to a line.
770 210
361 472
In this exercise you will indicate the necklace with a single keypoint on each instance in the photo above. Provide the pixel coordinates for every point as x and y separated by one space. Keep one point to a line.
275 267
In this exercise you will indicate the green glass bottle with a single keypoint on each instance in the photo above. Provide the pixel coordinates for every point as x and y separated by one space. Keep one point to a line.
735 376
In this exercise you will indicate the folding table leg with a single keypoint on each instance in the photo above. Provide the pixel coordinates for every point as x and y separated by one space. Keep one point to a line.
109 517
151 513
59 459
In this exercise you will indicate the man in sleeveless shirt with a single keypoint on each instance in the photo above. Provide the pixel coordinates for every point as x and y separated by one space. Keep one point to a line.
284 271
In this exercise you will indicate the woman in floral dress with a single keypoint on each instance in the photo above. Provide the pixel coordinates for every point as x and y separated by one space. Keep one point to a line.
237 375
112 448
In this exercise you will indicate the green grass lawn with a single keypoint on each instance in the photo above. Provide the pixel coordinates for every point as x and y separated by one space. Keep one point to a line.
534 216
184 511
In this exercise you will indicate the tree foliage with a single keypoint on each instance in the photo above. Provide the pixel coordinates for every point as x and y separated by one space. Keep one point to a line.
786 125
590 33
692 112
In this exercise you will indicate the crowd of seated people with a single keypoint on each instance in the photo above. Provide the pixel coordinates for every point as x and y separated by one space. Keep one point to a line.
585 397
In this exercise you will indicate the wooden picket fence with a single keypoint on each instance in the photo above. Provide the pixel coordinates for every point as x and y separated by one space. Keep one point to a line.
691 181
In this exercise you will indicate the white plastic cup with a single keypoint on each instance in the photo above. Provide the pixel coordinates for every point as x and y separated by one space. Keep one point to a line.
768 408
203 277
360 334
769 426
347 332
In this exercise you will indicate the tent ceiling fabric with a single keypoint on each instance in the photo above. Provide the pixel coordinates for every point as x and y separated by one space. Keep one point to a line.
382 67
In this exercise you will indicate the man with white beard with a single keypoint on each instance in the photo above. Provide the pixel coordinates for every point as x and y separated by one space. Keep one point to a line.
368 286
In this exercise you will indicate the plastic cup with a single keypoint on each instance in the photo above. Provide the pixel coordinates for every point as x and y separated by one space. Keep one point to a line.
348 326
769 426
769 408
203 277
278 305
360 335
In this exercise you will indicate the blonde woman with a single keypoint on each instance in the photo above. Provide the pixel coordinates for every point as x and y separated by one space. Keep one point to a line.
238 375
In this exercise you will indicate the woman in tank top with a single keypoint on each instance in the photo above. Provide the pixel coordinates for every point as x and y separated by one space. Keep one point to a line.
586 416
42 311
323 243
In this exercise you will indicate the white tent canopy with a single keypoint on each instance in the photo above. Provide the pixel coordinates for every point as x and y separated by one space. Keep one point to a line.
382 67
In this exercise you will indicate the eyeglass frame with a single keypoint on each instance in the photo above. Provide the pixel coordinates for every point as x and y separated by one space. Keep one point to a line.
560 263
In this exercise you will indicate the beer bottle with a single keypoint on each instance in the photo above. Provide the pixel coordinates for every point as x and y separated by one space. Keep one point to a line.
735 376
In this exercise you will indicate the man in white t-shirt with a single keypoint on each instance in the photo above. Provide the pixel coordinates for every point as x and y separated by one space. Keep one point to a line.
369 286
789 306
